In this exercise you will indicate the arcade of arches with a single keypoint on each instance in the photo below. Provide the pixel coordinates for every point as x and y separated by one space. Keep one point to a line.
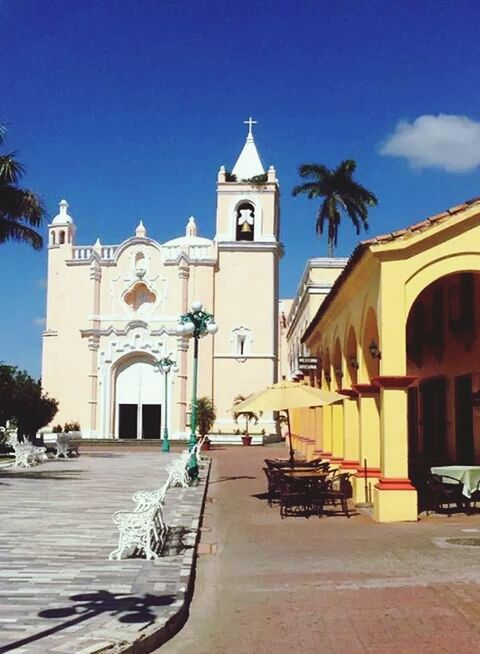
398 336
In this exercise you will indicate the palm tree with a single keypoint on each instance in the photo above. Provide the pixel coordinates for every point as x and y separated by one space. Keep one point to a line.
249 416
20 209
206 415
340 193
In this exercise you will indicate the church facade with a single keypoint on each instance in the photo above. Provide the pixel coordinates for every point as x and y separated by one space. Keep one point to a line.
113 312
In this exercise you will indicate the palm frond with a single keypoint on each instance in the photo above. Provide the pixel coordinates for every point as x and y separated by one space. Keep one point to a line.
13 230
17 203
3 131
11 170
318 172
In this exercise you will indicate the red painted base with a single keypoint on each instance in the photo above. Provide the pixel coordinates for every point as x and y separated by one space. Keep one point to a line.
393 483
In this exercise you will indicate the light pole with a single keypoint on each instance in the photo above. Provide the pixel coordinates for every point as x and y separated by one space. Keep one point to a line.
166 365
195 324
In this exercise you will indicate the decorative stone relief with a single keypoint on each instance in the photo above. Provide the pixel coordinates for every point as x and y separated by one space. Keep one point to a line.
139 297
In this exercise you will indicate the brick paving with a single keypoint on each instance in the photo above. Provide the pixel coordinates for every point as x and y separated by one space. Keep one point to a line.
331 584
58 590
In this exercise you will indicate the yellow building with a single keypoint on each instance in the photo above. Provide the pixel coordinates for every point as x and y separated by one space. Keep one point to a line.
398 336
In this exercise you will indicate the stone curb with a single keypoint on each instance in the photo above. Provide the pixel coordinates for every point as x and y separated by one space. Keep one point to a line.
156 635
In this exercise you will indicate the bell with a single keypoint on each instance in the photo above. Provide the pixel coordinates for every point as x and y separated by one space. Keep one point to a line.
246 229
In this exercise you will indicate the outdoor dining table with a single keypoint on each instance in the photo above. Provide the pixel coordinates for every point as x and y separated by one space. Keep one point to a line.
468 475
308 485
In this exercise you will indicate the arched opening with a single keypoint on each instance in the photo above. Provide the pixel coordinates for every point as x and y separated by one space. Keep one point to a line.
351 357
137 398
52 238
337 364
245 222
61 237
443 353
327 375
371 347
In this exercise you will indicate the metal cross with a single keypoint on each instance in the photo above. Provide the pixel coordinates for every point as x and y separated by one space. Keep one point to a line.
250 122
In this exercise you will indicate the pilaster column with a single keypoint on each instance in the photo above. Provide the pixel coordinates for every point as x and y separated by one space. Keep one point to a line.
337 433
395 497
368 471
93 344
318 451
327 431
182 348
351 429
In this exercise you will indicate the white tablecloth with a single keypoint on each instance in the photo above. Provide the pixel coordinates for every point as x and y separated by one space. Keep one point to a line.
468 475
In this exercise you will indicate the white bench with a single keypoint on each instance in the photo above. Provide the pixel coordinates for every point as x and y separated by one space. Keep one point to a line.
143 528
67 443
26 454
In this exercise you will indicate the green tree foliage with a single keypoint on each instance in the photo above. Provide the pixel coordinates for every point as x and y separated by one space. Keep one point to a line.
21 211
206 415
22 400
249 416
340 192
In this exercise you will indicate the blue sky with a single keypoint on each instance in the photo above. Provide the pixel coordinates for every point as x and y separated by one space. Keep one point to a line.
127 109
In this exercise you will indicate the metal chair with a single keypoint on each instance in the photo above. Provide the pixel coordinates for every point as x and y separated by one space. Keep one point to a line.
272 476
444 491
338 489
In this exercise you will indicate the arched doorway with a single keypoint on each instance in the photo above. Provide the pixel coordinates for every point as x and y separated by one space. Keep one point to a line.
138 399
443 352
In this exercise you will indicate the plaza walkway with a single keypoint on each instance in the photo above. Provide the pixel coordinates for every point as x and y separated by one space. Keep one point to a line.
333 584
58 590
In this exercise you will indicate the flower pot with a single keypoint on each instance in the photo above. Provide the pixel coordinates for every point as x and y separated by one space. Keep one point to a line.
246 440
206 444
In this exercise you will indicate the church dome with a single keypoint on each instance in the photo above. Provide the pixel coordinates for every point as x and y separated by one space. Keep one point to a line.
190 237
62 218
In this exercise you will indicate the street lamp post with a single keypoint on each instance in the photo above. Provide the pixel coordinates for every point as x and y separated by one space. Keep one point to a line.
166 365
195 324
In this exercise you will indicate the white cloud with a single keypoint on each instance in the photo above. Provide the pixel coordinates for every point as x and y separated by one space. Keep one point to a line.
448 142
39 322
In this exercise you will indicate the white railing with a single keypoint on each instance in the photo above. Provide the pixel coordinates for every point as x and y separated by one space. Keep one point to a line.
194 252
108 252
81 253
84 253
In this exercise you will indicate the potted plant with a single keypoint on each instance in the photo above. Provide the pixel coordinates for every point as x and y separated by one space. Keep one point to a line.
249 416
206 416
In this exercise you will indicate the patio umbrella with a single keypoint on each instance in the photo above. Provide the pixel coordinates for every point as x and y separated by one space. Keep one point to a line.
286 395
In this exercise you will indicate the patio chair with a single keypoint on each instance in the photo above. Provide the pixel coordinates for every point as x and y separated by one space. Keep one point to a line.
273 488
338 490
292 497
444 491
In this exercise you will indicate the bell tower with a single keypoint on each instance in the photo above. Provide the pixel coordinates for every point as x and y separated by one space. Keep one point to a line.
246 282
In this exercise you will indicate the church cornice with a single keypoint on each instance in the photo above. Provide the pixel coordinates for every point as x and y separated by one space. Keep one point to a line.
249 246
134 324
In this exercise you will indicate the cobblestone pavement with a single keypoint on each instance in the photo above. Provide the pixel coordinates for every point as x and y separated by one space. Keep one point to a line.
58 590
332 585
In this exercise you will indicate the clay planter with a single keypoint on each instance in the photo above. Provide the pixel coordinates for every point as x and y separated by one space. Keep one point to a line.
246 440
206 444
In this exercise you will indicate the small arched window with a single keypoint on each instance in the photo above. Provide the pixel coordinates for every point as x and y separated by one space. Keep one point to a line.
61 238
241 341
140 264
52 238
245 222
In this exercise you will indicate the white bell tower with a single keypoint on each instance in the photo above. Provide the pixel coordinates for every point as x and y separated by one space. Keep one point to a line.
246 283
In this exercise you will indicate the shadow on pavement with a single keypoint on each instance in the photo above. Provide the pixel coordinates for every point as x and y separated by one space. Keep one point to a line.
128 609
220 479
39 474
